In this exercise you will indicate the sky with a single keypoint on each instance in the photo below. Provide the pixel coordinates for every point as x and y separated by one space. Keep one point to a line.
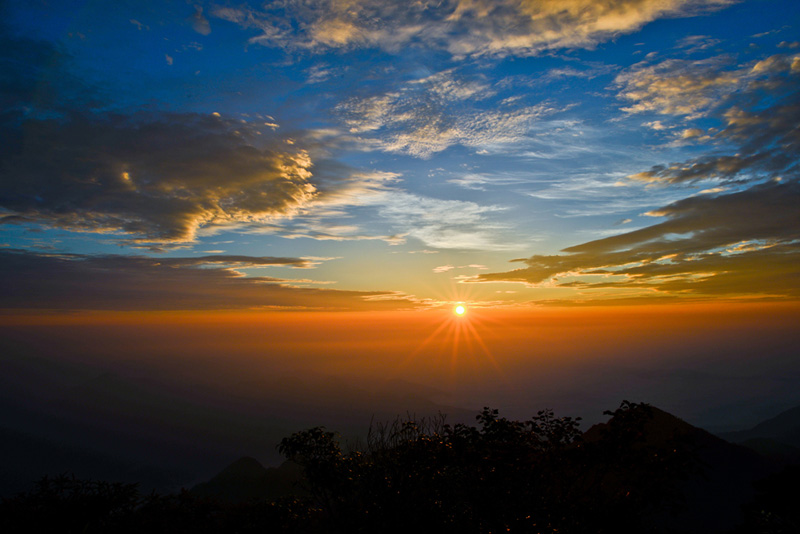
611 189
357 155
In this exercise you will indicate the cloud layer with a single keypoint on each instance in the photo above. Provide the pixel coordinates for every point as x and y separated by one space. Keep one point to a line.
114 282
741 243
461 27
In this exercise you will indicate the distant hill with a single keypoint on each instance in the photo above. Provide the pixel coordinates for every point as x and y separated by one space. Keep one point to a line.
777 438
784 427
27 458
167 431
246 479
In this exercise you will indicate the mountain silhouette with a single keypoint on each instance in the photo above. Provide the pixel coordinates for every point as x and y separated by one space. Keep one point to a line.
246 479
720 483
784 428
777 438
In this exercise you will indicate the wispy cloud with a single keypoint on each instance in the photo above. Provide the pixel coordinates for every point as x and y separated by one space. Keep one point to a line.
448 224
428 115
445 268
483 181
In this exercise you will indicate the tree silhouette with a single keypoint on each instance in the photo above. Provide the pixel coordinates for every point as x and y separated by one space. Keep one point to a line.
538 475
541 475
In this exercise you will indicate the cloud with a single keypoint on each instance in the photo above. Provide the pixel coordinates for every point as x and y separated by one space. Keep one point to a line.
157 178
742 243
390 214
161 179
595 192
446 224
691 133
445 268
655 125
200 24
696 43
238 261
428 115
461 27
111 282
481 182
757 122
139 25
678 87
741 238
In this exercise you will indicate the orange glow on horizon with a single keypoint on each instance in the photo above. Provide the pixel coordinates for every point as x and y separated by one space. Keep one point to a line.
420 346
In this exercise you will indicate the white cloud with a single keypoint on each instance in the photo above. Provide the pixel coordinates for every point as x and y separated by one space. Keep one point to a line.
448 224
428 115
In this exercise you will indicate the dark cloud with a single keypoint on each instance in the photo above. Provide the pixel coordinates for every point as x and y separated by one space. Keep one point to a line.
111 282
37 75
746 242
246 261
159 179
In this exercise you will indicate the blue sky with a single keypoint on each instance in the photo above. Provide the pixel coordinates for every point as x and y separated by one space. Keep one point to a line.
360 154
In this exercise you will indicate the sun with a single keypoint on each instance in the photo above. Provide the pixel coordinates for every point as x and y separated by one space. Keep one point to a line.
458 337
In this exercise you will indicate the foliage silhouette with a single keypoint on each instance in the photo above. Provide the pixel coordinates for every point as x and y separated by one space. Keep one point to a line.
538 475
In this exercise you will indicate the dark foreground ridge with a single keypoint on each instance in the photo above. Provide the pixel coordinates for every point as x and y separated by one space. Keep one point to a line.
642 471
